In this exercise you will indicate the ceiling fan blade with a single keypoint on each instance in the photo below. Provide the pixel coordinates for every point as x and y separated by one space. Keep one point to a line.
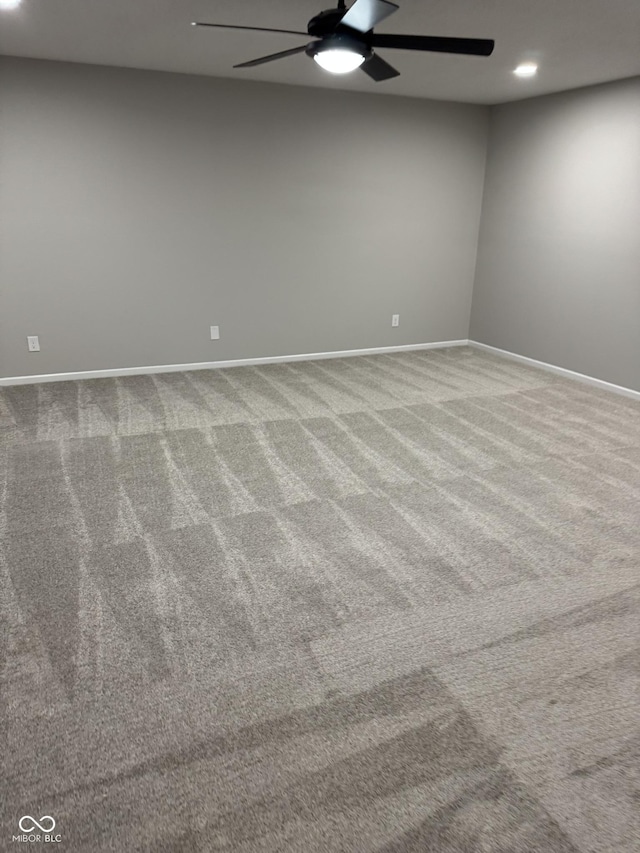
471 47
272 57
378 69
256 29
364 15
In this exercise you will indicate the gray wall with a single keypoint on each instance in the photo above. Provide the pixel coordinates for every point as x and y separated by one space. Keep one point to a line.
139 208
558 273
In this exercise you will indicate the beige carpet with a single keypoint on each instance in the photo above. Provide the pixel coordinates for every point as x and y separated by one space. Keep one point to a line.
386 603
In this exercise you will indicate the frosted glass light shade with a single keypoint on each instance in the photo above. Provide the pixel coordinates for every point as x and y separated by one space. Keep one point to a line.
338 60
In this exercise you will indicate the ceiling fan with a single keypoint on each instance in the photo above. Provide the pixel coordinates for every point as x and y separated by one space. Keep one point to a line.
344 40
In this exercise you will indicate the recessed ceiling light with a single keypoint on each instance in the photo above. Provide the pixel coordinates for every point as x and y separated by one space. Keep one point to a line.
9 4
527 69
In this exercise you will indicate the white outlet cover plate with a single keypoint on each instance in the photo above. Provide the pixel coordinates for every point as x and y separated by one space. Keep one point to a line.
215 333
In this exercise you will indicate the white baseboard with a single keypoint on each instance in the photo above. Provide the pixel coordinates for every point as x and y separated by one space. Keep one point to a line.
561 371
210 365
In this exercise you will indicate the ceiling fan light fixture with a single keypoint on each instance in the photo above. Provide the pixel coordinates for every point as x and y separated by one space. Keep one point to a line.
339 53
527 69
339 60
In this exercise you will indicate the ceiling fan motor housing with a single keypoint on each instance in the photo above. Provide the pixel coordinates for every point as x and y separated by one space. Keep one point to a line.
325 23
326 27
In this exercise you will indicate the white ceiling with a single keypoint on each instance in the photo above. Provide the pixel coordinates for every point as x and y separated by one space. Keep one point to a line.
575 42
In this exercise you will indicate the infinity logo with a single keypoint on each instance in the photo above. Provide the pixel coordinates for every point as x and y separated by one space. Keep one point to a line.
34 823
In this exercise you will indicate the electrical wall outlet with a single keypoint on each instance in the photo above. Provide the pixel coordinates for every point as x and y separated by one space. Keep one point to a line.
33 343
215 333
395 319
